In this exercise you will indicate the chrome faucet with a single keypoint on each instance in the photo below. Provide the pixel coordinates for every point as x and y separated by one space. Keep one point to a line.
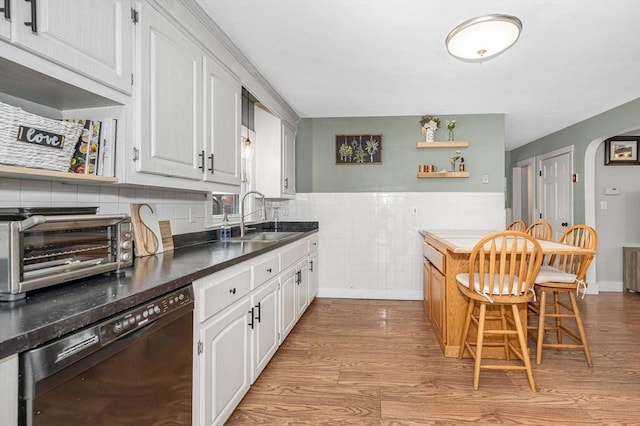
263 210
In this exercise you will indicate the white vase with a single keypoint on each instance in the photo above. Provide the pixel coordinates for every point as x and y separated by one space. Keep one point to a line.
430 135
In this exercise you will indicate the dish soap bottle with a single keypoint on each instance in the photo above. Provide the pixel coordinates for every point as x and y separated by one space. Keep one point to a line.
462 168
225 229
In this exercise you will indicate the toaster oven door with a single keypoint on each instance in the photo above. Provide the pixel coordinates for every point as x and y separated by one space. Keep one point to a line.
55 249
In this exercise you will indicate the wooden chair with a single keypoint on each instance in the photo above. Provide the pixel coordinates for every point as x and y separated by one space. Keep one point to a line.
540 230
564 274
502 267
517 225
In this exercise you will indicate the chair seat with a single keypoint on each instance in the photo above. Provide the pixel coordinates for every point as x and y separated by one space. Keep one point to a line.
464 280
555 275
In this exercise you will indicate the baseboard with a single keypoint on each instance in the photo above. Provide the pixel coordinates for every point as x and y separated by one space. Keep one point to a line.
613 286
369 293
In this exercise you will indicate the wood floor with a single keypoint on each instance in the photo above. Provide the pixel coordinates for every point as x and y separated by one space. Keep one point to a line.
373 362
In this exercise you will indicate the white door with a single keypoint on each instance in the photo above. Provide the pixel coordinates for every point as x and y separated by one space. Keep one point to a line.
556 192
91 36
170 104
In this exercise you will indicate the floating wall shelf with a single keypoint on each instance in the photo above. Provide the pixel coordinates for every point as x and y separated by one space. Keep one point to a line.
444 175
450 144
29 173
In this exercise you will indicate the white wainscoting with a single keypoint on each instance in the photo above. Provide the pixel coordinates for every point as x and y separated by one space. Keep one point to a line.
369 242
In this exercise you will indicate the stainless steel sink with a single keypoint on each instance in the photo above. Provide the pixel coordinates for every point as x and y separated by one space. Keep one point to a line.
266 236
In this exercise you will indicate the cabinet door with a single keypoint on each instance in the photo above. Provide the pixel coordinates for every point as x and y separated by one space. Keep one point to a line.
426 277
302 290
314 278
288 160
438 308
224 363
288 302
265 331
223 103
92 37
6 19
170 102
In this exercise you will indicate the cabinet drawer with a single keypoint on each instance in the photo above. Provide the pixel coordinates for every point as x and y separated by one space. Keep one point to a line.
217 292
292 254
434 256
265 270
312 244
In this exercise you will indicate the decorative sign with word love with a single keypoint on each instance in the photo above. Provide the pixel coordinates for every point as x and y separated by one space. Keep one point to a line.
40 137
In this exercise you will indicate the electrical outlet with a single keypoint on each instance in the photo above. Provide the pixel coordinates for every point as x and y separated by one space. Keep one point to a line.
284 211
603 205
485 178
415 210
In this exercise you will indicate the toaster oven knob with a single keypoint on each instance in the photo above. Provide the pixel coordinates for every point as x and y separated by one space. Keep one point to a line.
126 256
126 245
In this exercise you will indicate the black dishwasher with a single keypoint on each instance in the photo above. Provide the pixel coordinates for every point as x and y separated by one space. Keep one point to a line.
132 369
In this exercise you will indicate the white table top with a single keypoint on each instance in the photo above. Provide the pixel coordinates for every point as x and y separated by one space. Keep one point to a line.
463 241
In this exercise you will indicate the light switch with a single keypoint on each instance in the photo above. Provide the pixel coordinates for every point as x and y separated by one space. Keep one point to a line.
612 190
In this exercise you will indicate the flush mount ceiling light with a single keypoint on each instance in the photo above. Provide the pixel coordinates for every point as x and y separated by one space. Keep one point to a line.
483 37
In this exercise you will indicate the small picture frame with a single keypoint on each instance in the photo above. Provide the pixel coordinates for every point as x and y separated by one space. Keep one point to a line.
621 150
358 149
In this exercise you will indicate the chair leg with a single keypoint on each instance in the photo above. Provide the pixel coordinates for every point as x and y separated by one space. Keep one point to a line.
541 319
479 342
522 338
465 330
583 335
558 310
505 337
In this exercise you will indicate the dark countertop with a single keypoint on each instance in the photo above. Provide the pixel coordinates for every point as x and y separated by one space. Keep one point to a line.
47 314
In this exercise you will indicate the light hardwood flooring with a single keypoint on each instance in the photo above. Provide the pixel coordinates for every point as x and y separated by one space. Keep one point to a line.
377 362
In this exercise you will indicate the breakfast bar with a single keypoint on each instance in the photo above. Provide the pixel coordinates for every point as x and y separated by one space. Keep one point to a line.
446 254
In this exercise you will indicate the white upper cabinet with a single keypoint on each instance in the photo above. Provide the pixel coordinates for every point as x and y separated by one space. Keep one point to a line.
288 161
5 19
189 107
91 37
275 156
223 102
170 101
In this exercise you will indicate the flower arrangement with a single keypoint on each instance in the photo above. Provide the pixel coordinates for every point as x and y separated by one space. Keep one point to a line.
451 124
431 122
455 157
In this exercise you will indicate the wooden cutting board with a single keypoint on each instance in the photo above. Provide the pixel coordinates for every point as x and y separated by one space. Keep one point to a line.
146 229
166 235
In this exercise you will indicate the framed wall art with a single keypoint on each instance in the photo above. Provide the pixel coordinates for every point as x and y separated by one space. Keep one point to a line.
621 150
359 149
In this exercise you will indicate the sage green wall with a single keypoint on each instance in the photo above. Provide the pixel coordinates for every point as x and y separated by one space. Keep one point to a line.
618 120
316 170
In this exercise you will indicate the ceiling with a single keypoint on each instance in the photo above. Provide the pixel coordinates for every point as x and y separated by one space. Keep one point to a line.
351 58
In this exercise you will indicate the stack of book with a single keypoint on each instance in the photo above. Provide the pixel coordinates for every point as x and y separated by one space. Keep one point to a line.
95 149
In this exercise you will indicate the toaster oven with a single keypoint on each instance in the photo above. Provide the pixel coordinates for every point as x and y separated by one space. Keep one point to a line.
41 247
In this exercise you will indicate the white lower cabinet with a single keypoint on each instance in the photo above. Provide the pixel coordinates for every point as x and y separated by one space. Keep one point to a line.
287 303
302 288
265 327
243 313
9 390
224 363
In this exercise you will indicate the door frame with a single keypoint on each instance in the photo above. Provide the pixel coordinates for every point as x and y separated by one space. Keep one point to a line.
539 159
529 163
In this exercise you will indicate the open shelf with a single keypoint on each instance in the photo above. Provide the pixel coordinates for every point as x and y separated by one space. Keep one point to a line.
29 173
448 144
443 174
